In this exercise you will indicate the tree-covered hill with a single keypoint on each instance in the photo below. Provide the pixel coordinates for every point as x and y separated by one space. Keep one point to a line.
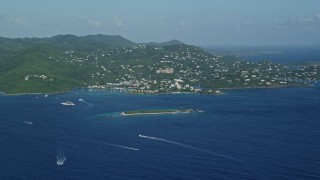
65 62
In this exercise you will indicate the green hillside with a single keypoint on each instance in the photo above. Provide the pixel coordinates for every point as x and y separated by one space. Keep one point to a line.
65 62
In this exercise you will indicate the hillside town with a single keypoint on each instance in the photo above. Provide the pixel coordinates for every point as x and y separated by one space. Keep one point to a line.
180 68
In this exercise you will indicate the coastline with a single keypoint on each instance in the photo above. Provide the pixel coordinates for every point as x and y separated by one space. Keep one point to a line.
174 92
42 93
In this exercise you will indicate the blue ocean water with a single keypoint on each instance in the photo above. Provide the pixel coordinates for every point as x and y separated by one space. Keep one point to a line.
283 55
243 134
287 54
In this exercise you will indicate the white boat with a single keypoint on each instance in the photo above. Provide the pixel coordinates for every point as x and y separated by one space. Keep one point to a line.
61 159
68 103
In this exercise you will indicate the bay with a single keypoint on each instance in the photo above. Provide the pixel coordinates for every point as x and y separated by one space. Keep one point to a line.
242 134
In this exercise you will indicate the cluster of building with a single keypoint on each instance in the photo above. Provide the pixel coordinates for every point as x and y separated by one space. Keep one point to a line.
42 77
180 68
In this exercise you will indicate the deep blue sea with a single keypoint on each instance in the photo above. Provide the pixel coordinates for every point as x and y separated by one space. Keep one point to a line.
282 55
285 55
242 134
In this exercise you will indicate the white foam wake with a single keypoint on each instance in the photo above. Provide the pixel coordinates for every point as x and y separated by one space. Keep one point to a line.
205 151
25 122
189 147
89 105
85 102
60 157
124 147
61 160
116 145
163 140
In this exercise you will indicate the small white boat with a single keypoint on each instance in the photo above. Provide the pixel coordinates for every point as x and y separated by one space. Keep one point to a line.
68 103
61 159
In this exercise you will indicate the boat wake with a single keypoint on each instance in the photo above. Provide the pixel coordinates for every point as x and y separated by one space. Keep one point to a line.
183 145
89 105
120 146
205 151
116 145
60 157
25 122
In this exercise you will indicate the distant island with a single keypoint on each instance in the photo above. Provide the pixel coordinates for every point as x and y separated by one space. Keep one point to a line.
65 62
153 112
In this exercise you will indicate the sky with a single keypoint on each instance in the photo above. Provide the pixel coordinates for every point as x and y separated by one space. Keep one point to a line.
196 22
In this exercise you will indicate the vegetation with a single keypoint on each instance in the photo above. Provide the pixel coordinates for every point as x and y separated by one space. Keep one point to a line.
65 62
143 112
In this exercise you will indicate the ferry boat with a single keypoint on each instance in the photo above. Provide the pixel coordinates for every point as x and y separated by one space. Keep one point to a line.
68 103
